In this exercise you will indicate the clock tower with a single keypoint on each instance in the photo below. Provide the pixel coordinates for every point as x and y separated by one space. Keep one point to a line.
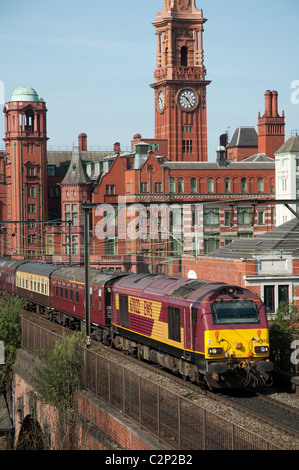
180 86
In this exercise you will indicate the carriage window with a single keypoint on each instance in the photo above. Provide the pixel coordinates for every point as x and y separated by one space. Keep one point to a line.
56 291
77 296
174 324
100 299
71 294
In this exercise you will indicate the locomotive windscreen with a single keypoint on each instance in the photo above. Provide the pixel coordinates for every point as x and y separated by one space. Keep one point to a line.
234 312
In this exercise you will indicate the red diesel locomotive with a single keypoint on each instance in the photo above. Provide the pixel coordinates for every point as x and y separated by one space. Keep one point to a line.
199 329
205 331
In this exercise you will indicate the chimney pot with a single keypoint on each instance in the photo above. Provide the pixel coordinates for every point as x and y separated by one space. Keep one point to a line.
268 103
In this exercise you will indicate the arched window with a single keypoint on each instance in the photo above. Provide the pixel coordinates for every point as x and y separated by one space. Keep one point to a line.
171 185
210 185
243 185
227 185
260 185
193 185
180 185
184 56
29 120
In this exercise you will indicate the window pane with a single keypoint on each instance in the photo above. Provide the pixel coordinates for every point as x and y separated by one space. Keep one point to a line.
171 185
210 185
193 185
234 312
269 298
283 294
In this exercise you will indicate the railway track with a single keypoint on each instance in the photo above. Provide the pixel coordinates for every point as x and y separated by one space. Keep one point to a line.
271 411
265 410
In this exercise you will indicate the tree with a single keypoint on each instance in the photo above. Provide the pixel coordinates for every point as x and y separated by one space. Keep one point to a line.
287 318
282 333
56 379
10 334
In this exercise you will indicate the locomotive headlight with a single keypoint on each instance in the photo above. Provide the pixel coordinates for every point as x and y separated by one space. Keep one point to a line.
261 349
215 351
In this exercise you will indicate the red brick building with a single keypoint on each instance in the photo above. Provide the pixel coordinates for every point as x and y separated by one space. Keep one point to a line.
24 194
267 265
180 202
269 138
180 86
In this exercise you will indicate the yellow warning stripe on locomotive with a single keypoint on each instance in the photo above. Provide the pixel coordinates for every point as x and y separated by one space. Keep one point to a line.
239 343
151 310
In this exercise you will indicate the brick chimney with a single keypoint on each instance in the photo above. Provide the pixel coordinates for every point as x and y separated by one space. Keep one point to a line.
82 138
116 147
271 126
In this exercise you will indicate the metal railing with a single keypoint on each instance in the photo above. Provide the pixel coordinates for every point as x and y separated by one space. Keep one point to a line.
283 351
174 420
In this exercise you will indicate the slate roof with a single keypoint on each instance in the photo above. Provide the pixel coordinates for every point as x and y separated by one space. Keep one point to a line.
58 158
246 164
284 237
244 137
291 145
259 158
76 173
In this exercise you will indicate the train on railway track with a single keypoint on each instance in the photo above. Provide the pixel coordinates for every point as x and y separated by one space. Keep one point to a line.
208 332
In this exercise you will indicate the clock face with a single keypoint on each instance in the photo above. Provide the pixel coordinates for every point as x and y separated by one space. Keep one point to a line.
161 101
187 99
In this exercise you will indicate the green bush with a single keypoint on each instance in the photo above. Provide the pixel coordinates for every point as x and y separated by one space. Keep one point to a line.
10 334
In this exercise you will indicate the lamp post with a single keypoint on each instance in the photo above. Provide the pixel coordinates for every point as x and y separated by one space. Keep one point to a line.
87 207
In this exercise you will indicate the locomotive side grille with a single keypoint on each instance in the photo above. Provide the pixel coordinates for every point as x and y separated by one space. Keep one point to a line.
184 290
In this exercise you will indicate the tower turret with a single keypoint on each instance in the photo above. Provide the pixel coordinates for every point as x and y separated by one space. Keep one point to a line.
26 173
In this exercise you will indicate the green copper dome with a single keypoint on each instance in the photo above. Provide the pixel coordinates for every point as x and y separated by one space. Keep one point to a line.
24 93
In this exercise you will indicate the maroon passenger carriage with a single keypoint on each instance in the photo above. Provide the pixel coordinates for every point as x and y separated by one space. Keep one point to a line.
8 274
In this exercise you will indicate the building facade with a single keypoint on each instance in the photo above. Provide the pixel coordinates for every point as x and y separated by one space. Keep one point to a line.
24 194
267 265
287 178
158 201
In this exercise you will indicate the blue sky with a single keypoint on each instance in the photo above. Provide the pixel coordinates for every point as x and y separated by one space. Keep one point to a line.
93 62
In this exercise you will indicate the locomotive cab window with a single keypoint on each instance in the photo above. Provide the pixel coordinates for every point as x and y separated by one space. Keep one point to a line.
234 312
174 324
